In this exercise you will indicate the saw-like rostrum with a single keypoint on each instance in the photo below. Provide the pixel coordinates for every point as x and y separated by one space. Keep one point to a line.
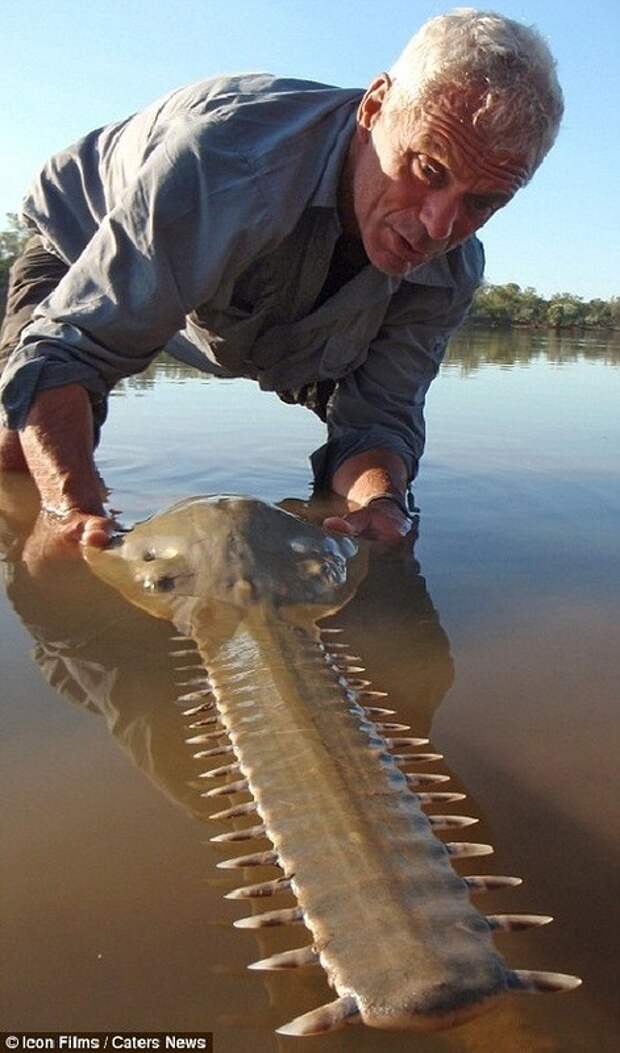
282 711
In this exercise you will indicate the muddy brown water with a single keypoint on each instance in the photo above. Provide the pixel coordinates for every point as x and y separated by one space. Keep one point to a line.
498 632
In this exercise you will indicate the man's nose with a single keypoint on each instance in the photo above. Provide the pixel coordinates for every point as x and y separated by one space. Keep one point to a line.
439 213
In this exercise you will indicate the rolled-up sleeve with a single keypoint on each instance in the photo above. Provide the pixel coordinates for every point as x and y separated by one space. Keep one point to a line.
381 404
193 210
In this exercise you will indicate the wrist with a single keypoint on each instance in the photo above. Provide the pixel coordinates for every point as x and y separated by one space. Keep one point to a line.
403 500
58 446
65 492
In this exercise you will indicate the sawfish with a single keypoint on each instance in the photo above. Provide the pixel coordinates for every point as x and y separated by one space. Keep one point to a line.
284 703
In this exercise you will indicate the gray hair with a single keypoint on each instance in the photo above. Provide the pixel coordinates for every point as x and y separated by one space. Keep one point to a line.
521 104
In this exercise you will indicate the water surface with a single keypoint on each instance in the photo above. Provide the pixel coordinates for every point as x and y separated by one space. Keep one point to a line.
498 632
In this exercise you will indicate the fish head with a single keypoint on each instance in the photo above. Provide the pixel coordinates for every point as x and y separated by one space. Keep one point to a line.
236 553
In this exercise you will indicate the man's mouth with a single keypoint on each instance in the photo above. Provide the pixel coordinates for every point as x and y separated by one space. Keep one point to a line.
407 252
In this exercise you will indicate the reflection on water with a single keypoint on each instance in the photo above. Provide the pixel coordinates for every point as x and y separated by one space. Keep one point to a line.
114 915
474 347
471 348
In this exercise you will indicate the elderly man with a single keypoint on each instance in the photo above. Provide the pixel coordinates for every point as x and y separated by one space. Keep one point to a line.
316 239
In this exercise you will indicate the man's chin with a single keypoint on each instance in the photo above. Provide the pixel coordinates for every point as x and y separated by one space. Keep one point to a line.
397 266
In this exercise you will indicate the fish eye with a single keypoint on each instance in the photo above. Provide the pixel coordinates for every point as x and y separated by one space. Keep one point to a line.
165 583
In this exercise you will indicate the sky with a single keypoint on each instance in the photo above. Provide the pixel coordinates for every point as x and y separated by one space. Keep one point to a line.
68 67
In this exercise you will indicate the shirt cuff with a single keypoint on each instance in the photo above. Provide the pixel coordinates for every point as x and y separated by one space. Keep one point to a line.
23 379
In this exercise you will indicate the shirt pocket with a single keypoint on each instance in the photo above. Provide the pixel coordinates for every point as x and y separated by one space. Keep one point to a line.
231 334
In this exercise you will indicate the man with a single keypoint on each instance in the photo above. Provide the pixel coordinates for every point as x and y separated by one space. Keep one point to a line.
318 240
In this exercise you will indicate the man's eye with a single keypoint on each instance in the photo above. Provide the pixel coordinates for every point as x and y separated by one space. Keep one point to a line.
427 170
480 205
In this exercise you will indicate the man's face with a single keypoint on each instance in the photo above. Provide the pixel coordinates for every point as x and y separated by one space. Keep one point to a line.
418 189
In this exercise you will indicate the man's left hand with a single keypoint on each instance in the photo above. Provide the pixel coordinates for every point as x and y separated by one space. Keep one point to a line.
382 520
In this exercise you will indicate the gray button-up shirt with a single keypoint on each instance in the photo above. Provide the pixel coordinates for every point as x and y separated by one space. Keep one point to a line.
205 225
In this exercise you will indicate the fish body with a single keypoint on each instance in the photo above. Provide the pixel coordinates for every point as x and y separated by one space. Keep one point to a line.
392 923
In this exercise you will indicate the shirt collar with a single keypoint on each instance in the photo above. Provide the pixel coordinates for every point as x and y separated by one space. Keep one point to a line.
326 193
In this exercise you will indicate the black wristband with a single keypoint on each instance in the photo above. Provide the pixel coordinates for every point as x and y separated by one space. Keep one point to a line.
400 499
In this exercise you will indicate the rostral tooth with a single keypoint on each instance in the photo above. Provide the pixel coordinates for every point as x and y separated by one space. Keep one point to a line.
449 822
288 916
203 708
422 778
464 849
256 859
214 751
537 981
437 796
215 773
235 812
289 959
203 723
490 882
240 835
398 743
516 922
328 1017
196 696
230 787
263 888
206 736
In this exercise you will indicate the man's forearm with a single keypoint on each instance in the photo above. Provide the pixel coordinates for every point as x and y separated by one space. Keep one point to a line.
369 473
57 444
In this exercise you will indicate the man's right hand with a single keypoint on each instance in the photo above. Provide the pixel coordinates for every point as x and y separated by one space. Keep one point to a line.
57 450
79 527
54 539
57 446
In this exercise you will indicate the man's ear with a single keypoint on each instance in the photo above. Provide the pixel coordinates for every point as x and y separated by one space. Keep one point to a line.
370 106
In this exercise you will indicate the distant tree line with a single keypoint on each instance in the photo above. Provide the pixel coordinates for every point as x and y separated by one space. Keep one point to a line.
494 305
11 242
510 305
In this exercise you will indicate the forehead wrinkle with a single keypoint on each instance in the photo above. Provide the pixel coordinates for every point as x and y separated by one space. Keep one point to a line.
446 137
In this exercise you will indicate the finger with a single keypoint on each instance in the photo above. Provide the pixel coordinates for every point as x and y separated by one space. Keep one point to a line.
341 525
96 531
387 528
